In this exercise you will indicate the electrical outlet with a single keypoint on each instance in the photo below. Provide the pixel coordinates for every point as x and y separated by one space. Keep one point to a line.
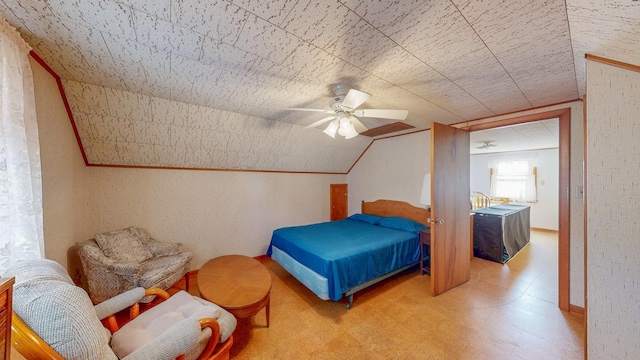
579 191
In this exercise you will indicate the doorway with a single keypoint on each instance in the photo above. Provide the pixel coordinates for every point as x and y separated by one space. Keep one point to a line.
564 143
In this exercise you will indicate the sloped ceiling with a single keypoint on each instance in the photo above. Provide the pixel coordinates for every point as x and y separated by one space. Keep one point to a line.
205 84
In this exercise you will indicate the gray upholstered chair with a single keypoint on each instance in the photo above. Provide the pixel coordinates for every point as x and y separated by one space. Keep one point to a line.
55 319
116 261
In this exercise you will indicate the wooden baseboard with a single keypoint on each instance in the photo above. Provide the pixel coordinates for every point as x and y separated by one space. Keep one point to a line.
262 257
544 230
576 310
193 274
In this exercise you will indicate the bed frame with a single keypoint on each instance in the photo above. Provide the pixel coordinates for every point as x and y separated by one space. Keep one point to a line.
396 208
389 208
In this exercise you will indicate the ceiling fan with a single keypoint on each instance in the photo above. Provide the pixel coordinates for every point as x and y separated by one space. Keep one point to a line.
486 145
344 113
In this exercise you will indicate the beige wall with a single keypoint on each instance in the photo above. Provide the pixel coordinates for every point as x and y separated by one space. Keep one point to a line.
393 168
65 182
212 213
613 190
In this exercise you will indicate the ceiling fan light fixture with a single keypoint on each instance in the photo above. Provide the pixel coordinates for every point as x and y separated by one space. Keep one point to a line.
332 128
345 121
345 127
353 133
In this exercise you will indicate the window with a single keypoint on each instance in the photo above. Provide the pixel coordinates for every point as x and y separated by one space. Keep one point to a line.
514 179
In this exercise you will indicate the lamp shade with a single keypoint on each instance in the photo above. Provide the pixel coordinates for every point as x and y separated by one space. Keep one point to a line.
425 195
331 129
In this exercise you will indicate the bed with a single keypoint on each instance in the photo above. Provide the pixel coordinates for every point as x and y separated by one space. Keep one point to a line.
337 259
500 231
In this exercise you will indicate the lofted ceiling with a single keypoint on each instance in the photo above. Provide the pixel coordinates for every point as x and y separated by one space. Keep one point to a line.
205 84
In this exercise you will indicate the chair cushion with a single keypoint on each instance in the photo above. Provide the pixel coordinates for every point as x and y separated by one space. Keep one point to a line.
158 319
157 248
164 271
123 245
58 311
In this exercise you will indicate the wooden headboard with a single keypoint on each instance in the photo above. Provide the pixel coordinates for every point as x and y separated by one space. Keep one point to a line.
396 208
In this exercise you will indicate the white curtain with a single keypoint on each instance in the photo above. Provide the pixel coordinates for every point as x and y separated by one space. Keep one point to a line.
513 177
21 234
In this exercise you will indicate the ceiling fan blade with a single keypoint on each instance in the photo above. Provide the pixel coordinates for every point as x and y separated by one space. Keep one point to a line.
313 110
357 124
355 98
382 113
321 121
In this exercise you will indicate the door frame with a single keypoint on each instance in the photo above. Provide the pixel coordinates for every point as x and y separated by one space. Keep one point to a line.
564 214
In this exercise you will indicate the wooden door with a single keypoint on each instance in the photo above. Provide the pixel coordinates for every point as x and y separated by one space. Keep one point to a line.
450 207
339 201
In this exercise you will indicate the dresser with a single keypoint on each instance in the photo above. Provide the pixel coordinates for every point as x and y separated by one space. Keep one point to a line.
6 291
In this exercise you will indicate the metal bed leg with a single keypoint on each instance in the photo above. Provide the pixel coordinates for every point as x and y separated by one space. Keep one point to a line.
350 299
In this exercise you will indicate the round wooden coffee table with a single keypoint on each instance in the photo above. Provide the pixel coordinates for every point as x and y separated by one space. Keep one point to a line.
239 284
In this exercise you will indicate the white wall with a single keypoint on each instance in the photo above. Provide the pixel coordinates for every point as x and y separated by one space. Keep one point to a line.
613 191
212 213
65 183
391 169
544 213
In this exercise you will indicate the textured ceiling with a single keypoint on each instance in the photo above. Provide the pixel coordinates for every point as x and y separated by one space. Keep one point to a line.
205 83
537 135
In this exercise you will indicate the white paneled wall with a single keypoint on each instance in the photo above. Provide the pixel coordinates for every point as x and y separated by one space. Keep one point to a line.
613 193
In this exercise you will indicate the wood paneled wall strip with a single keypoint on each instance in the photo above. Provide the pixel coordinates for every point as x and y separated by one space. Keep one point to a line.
612 62
64 100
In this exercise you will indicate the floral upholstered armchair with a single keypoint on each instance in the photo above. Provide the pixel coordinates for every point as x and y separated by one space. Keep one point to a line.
116 261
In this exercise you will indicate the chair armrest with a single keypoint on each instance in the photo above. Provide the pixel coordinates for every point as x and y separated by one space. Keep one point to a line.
119 302
160 248
125 269
170 344
213 340
93 255
128 299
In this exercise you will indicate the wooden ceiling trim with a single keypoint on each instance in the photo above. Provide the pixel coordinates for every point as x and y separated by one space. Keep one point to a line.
387 129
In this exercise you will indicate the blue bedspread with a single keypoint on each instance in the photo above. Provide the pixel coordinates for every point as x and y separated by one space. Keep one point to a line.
348 252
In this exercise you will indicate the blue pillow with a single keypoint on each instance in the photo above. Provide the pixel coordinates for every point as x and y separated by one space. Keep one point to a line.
400 223
368 218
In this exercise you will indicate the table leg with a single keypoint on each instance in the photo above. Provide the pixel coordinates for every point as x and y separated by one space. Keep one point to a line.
267 308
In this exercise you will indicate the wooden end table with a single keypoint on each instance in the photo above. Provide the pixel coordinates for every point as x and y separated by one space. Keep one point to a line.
237 283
